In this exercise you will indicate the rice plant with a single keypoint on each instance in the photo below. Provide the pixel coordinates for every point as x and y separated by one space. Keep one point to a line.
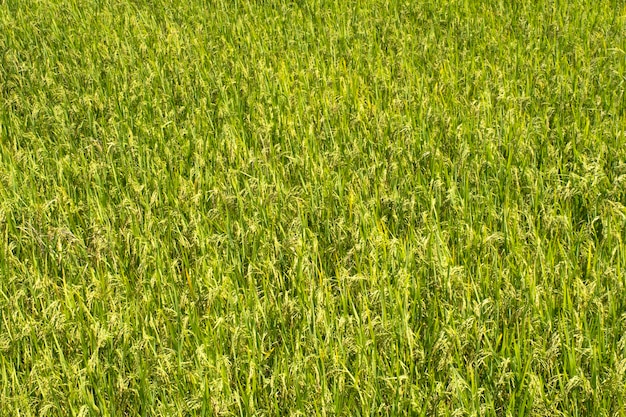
312 208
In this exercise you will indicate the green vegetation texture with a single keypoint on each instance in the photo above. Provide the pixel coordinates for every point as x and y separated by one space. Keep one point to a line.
313 208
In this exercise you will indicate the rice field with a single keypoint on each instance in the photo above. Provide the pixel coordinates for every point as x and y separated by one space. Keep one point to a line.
312 208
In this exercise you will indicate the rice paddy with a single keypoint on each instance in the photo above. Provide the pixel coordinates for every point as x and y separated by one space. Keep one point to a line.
314 208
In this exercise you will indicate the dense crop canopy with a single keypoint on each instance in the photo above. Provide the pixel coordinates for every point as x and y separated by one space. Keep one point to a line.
317 207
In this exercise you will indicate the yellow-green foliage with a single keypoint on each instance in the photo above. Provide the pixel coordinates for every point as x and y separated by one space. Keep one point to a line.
315 207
